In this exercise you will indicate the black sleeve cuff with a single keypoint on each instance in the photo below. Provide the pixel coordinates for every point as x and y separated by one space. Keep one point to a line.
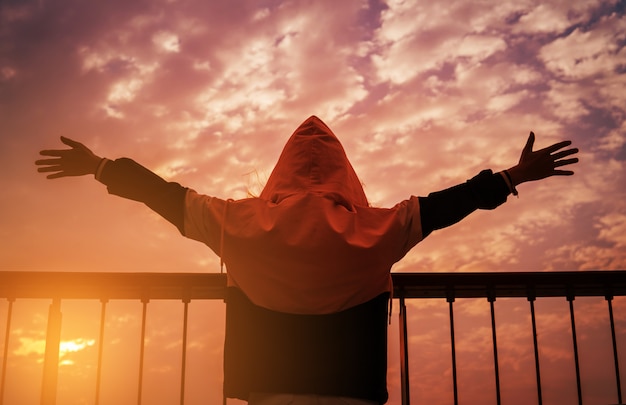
489 190
126 178
447 207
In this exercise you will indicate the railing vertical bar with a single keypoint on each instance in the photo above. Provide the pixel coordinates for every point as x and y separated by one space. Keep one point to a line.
492 299
51 356
570 298
144 302
5 355
100 349
404 355
609 299
455 388
531 299
184 359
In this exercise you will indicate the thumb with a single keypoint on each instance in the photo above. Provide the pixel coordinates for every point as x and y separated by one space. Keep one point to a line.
528 148
70 142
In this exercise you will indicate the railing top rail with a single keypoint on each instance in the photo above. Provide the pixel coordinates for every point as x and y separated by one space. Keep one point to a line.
190 286
511 284
111 285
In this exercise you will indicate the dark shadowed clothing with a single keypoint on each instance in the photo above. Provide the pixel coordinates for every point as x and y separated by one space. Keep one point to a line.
309 257
339 354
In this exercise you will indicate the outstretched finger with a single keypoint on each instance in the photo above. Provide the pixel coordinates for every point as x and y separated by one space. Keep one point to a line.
53 152
562 173
565 162
56 175
562 154
556 146
47 162
49 169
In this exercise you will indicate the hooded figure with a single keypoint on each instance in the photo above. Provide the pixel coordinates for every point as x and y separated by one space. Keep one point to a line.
310 243
308 260
308 264
309 269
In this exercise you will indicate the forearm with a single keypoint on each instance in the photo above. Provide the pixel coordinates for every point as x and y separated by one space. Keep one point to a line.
447 207
126 178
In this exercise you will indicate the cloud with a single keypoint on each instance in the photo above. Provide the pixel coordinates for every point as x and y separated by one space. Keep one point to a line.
30 346
587 53
606 254
543 18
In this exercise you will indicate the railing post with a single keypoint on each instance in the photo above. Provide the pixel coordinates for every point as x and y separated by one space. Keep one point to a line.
103 302
186 301
531 298
51 359
404 355
609 299
570 299
450 299
144 302
7 335
491 297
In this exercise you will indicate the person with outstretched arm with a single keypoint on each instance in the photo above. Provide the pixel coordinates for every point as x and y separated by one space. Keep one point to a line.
308 261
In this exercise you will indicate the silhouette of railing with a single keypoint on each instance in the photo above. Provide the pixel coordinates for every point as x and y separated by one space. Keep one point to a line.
187 287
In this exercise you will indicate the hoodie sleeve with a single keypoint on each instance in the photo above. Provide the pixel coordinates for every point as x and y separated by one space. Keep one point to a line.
126 178
444 208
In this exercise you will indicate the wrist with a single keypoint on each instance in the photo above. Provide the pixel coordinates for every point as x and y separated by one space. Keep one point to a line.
100 166
515 176
506 176
94 162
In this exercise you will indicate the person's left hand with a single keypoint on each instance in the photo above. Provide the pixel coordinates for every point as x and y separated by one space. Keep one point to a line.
77 161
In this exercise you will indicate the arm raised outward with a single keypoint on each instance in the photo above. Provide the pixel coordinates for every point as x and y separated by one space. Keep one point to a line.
488 190
123 177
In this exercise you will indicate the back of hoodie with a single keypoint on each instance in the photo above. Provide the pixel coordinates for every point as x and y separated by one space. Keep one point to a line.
310 243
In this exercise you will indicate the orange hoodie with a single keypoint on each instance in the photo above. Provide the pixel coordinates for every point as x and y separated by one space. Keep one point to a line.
310 243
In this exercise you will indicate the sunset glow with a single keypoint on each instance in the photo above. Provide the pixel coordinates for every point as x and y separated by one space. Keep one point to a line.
423 95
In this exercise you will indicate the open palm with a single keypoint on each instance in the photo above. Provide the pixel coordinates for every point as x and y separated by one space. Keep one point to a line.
77 161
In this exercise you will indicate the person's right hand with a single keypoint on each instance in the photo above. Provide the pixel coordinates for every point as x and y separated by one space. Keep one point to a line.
77 161
540 164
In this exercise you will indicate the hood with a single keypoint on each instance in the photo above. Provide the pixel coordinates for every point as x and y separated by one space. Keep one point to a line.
314 161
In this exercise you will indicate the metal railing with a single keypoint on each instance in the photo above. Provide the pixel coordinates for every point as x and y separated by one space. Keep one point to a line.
187 287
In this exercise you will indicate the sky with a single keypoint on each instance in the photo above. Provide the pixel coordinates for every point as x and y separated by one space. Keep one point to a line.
423 95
